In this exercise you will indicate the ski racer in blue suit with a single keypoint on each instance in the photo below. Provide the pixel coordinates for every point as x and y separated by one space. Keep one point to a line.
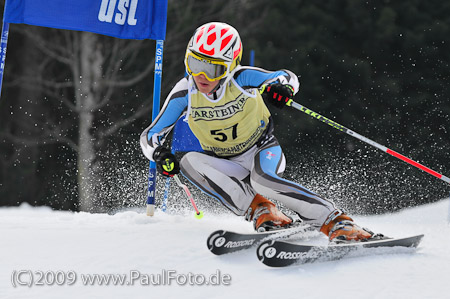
224 105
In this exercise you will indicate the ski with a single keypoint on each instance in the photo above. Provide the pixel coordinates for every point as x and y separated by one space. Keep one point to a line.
223 241
276 253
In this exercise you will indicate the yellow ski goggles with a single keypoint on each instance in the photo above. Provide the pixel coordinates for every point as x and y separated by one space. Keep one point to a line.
213 69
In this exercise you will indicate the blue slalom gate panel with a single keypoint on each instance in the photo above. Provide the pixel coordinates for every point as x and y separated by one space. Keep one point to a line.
183 139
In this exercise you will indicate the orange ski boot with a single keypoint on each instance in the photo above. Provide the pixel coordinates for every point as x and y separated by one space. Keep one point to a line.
340 228
265 215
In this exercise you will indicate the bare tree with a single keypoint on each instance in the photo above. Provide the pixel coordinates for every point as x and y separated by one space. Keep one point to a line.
80 73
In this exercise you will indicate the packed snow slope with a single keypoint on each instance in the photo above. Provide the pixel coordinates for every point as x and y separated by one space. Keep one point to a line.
38 242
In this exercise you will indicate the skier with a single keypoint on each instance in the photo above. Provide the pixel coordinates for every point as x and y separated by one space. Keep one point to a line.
224 105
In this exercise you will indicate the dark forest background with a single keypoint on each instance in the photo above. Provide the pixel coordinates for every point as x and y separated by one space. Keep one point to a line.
380 68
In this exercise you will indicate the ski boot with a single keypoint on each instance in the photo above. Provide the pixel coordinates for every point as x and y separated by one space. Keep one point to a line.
340 228
266 216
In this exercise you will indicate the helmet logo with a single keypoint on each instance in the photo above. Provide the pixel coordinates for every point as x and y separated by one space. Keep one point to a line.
228 54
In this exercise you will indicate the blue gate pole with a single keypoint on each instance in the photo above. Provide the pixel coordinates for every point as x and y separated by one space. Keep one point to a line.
155 112
3 46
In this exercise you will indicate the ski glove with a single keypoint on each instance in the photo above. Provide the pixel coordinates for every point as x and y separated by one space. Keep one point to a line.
278 94
166 162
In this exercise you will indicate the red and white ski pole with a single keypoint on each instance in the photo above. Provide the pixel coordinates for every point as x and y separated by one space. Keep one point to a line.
366 140
198 214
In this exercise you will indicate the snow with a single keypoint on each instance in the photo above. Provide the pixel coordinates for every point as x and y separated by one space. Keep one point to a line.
41 240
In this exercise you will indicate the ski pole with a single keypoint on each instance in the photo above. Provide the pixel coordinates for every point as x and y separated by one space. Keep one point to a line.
198 214
366 140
